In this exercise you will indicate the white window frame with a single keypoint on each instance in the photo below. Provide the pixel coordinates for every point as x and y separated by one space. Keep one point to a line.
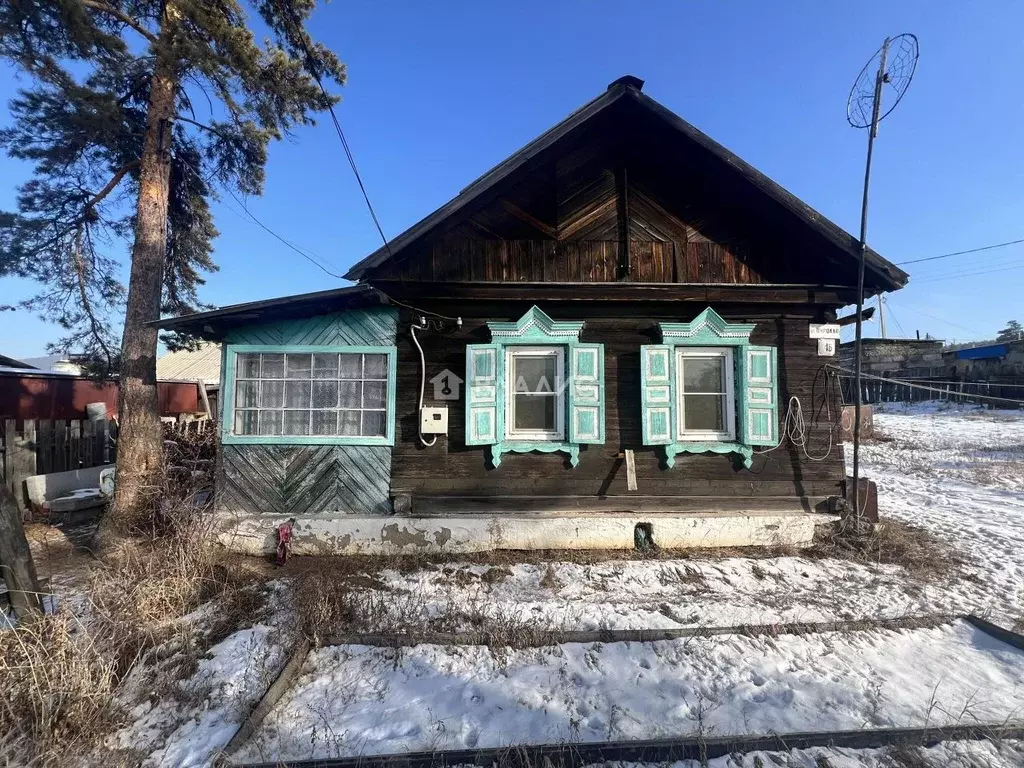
729 414
557 386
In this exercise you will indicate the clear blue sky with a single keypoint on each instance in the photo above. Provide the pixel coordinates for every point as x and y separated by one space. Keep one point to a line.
439 92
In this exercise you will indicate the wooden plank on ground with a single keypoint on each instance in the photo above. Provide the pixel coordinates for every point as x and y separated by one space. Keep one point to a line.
279 687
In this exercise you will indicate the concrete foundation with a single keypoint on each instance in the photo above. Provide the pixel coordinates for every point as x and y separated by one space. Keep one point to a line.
349 534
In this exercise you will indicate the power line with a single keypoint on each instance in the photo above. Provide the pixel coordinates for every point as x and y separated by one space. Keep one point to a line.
968 274
259 223
311 64
892 315
1009 260
961 253
291 245
940 319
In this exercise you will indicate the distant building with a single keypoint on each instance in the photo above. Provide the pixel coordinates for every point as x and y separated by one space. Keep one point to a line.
202 364
988 361
10 362
897 358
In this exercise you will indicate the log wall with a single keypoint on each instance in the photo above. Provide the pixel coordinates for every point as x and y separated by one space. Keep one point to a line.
452 470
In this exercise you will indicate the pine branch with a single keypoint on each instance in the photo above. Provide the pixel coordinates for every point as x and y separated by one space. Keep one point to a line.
110 187
204 126
94 324
120 16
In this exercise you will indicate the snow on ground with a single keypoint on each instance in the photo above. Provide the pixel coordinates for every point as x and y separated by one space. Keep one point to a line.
190 723
950 754
357 700
959 471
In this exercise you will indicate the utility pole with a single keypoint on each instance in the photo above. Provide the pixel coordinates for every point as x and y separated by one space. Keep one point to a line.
881 314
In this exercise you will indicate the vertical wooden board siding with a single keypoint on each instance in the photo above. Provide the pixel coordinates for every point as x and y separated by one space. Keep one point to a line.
451 468
310 479
490 260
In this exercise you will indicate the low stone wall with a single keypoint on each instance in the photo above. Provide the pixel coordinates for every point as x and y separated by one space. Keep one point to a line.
348 534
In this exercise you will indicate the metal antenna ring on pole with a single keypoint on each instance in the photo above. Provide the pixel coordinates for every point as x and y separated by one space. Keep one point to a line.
889 71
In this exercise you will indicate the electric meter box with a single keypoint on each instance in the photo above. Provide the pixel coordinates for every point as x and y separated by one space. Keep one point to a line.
434 420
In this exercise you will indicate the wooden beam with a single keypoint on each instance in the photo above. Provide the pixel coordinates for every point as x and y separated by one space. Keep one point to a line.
522 215
851 319
687 292
622 197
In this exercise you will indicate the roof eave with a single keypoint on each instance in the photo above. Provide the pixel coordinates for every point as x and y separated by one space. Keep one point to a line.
205 324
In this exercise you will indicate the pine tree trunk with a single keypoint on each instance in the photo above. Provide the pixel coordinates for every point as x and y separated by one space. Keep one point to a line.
139 440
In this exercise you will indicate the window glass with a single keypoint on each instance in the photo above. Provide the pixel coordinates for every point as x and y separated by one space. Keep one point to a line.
535 400
535 414
704 383
321 394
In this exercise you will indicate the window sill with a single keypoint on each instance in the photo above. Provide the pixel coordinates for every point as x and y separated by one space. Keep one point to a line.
528 446
303 440
746 452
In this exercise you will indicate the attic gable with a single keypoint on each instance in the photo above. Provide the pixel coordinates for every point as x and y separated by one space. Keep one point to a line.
624 190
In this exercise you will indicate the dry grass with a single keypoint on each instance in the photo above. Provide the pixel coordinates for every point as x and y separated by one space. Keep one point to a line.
330 605
921 553
60 675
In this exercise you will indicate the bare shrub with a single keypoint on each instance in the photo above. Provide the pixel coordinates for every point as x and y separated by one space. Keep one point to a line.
60 675
906 756
59 679
924 556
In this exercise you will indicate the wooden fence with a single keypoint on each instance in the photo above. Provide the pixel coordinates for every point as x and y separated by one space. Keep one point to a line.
1008 394
42 446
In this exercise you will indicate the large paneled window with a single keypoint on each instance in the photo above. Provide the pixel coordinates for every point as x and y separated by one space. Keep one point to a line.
312 396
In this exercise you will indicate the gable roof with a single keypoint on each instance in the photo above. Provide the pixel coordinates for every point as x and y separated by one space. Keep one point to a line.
627 91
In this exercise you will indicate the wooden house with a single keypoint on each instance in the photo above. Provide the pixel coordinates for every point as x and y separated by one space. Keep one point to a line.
607 330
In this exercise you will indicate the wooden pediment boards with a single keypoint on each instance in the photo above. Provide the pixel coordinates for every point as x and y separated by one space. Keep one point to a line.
626 196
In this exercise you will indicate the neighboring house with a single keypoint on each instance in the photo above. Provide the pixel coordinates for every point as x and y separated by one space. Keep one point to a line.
29 394
10 362
63 363
991 361
897 358
202 364
624 252
188 365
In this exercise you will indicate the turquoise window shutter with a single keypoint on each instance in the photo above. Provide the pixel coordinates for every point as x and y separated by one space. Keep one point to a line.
586 393
484 394
758 396
656 384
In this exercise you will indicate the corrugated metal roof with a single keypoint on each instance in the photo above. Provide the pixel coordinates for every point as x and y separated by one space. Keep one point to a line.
981 353
203 364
